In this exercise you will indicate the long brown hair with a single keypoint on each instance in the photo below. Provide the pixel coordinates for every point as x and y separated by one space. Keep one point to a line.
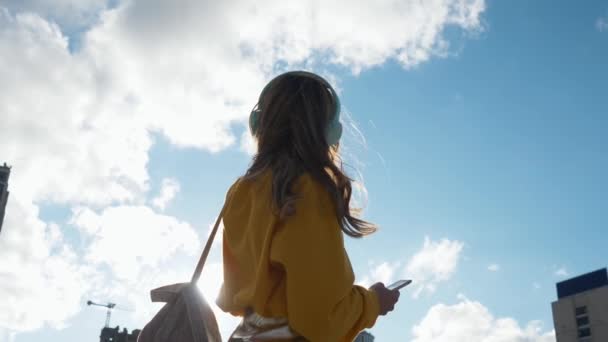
294 112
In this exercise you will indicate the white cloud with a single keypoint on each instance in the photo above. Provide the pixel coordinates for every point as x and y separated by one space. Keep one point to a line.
561 272
41 279
536 285
56 132
137 250
383 272
248 143
601 24
469 320
434 263
71 14
494 267
125 252
169 188
77 125
86 117
128 238
128 250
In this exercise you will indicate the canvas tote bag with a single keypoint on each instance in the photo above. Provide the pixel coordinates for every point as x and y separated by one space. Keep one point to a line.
186 316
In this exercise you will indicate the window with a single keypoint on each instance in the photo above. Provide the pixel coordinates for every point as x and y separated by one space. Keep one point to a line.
583 320
581 310
584 332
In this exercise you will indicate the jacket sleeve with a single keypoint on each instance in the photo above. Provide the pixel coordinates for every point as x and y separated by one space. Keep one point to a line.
323 304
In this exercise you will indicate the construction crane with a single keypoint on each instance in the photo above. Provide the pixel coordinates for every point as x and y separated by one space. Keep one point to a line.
109 306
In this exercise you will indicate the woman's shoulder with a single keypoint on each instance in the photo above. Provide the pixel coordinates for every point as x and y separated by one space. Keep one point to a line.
308 189
308 183
249 184
304 185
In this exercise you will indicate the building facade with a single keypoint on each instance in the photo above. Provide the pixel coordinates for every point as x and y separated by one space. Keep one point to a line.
116 335
365 337
580 313
5 172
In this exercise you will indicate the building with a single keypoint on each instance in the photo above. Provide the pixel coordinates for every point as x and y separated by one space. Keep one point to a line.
115 335
5 172
365 337
580 313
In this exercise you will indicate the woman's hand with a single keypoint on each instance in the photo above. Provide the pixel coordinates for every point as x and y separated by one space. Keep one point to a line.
387 298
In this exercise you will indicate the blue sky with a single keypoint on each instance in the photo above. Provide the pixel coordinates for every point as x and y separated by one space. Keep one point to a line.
495 152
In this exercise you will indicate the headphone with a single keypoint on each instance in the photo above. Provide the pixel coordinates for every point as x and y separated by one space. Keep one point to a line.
333 131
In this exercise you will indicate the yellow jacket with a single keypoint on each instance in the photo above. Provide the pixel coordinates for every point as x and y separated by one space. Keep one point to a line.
296 269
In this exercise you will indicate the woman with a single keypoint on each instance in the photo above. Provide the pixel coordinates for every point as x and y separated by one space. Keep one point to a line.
285 267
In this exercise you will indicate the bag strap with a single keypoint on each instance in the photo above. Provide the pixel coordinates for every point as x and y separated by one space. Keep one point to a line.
201 261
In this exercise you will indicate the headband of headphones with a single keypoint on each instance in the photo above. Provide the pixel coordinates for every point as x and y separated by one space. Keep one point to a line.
334 127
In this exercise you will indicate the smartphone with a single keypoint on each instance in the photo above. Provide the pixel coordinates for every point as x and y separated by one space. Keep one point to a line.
399 284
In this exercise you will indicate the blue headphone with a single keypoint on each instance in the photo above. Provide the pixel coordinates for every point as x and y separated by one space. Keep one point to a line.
334 127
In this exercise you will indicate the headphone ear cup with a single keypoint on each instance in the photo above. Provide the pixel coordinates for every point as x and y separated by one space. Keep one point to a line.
254 119
334 133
